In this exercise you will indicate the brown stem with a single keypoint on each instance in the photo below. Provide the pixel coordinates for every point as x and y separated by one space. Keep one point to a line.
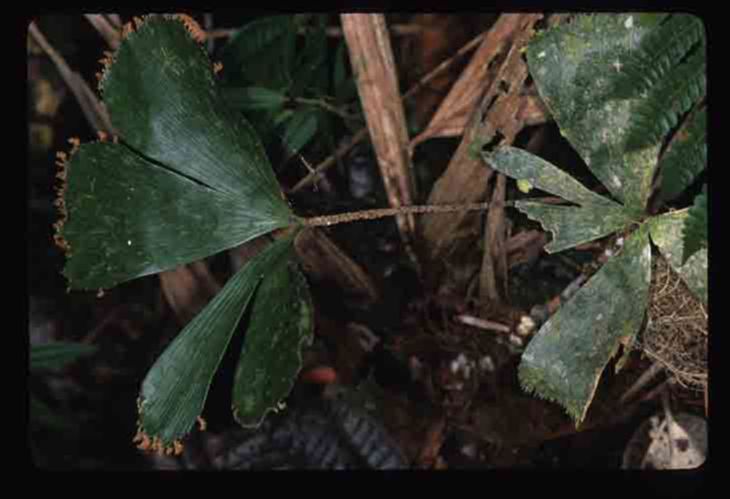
354 216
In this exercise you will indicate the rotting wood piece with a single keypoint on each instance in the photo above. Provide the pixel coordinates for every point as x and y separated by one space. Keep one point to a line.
466 178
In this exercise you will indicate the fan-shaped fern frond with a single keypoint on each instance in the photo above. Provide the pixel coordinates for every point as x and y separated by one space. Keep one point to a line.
668 100
685 159
658 54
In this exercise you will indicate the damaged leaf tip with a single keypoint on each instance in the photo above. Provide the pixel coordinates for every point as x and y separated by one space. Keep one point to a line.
62 161
196 32
153 443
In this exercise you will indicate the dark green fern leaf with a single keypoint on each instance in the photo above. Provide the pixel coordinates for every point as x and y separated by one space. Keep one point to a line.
262 53
668 100
658 55
685 159
694 235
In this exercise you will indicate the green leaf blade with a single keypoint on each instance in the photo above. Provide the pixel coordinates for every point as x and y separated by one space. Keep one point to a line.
176 386
695 227
255 98
571 226
685 159
575 68
660 111
163 98
299 130
674 36
520 164
666 232
127 217
566 358
311 72
594 218
262 53
280 324
54 356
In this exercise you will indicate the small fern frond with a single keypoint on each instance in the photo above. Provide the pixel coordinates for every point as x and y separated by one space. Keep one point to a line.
694 236
660 51
686 157
668 100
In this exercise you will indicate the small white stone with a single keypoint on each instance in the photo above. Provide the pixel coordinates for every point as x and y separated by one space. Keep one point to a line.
516 340
469 450
454 366
526 326
541 55
486 364
129 242
629 23
608 253
620 242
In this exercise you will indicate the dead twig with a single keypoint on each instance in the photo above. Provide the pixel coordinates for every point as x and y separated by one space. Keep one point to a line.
93 109
92 335
434 439
645 378
318 171
331 31
498 114
363 133
115 20
470 320
111 35
208 26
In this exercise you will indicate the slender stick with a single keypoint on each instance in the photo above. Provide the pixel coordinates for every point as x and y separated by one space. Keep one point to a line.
111 34
115 20
331 31
363 132
93 110
354 216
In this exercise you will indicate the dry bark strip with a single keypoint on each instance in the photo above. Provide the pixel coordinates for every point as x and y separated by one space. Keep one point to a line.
371 56
493 274
502 109
453 113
